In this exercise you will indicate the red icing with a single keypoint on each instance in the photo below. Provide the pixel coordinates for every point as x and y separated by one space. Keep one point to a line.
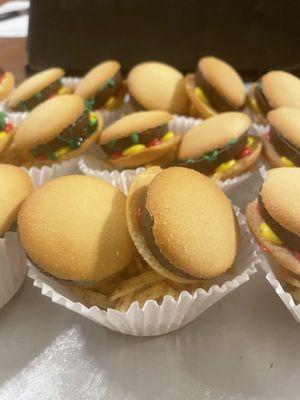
245 152
138 214
153 143
116 154
8 127
296 254
264 249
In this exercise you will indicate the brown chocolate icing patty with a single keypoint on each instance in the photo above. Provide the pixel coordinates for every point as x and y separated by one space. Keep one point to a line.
71 137
39 97
291 240
218 102
110 88
136 138
146 223
207 163
283 146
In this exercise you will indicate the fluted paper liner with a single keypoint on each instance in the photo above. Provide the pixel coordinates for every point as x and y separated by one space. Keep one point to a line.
13 267
266 264
155 319
40 175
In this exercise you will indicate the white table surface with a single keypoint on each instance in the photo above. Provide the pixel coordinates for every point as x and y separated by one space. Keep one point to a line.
244 347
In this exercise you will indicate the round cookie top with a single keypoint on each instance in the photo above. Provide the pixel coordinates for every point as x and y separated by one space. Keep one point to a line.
213 133
286 121
47 120
134 123
185 205
224 79
34 84
96 78
74 227
158 86
280 195
281 89
15 186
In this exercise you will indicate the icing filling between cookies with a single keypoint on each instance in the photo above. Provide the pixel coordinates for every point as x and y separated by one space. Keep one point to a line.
289 239
289 154
70 139
146 222
220 160
138 142
108 95
53 89
212 97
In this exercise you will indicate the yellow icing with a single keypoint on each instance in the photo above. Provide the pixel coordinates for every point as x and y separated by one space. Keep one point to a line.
110 102
226 165
250 141
287 162
200 94
92 117
3 134
63 90
269 235
61 152
169 135
136 148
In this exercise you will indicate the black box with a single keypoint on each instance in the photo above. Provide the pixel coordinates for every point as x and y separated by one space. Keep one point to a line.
254 36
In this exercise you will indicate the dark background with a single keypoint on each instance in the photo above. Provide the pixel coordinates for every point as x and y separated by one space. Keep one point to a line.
254 36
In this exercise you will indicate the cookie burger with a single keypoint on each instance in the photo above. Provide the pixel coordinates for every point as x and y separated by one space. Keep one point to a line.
138 139
157 86
37 89
182 224
7 82
59 129
221 146
215 87
15 187
274 219
275 89
73 229
103 86
282 142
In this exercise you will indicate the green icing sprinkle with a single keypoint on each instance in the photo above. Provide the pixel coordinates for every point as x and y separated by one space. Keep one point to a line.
212 156
110 82
2 120
38 95
190 161
89 104
23 106
111 144
134 138
92 123
35 152
233 141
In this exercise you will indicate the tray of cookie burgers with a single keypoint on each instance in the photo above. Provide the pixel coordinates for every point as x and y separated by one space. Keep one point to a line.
129 199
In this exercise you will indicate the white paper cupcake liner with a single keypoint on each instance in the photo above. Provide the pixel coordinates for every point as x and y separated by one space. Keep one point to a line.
266 264
13 267
155 319
41 175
